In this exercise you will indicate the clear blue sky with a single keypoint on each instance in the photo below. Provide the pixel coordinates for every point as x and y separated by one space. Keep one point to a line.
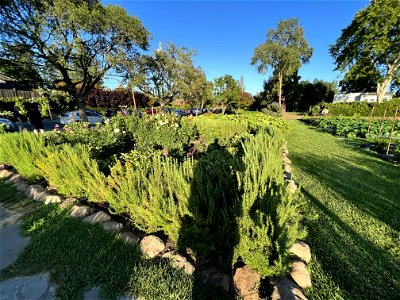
225 33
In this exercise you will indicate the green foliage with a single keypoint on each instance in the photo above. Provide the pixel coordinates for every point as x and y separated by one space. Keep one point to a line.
106 142
230 129
153 189
269 220
357 127
284 51
76 42
72 171
3 128
369 47
226 92
21 150
362 109
160 132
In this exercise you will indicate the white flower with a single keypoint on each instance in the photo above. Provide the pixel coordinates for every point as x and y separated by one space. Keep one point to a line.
116 130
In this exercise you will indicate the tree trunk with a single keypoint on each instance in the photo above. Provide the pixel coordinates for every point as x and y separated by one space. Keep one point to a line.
381 89
134 100
81 109
280 88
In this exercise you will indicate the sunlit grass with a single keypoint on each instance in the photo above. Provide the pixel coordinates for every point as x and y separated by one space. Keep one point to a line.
353 216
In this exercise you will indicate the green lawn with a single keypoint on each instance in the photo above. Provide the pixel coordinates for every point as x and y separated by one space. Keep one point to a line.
352 214
80 256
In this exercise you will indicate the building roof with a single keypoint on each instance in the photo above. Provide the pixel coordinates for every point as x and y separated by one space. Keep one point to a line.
6 78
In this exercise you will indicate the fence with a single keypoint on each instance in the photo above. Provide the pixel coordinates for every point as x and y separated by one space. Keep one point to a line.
11 93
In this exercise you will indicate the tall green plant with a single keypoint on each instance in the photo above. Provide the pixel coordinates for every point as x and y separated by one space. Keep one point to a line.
153 190
21 150
71 170
269 220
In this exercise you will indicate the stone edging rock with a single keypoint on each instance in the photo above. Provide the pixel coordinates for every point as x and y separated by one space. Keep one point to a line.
150 246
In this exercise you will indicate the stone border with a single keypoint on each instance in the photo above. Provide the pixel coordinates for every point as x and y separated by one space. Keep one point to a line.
245 279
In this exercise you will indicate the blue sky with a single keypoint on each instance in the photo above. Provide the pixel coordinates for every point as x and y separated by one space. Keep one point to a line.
225 33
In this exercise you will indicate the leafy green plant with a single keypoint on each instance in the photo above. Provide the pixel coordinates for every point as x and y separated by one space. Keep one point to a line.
269 220
21 150
72 171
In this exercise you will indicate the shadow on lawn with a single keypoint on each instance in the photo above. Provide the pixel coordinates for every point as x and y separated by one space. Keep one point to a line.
80 256
354 263
367 183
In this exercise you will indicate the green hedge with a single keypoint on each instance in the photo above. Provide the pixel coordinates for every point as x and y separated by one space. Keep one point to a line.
363 109
230 201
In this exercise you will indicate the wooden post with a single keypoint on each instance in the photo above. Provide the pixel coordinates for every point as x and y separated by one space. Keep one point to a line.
382 123
369 125
391 132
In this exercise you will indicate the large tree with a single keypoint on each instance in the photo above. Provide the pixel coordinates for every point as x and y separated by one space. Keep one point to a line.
370 45
284 51
77 42
226 92
160 74
194 86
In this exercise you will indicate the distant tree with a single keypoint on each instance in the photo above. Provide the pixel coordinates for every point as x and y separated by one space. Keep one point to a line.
159 75
194 86
245 100
284 51
370 46
226 92
77 42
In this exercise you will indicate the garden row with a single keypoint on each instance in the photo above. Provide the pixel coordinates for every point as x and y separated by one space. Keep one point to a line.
214 184
380 131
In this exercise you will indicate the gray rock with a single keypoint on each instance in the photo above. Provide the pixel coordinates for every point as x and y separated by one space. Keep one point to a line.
285 289
14 179
41 196
247 281
53 199
80 212
11 243
6 173
287 168
178 261
33 191
287 176
301 250
300 274
113 226
21 186
99 217
151 246
129 238
292 186
68 202
33 287
216 278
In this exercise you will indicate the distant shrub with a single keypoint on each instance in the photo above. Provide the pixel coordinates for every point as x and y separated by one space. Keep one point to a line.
21 150
350 109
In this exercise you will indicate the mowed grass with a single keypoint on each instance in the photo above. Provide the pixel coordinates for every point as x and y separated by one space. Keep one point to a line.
352 214
79 256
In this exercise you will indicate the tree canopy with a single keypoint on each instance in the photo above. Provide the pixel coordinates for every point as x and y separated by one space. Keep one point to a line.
226 92
284 51
369 48
76 42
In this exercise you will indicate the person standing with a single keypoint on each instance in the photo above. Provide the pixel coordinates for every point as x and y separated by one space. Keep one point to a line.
18 118
35 118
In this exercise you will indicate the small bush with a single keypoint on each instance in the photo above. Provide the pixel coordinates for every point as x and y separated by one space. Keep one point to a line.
269 220
21 150
72 171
